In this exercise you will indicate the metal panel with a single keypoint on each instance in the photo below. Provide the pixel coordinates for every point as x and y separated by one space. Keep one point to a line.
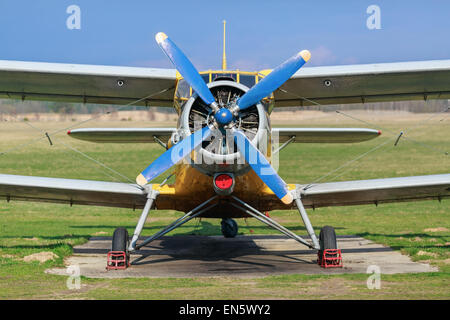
360 192
324 135
122 135
376 191
86 83
113 194
72 191
367 83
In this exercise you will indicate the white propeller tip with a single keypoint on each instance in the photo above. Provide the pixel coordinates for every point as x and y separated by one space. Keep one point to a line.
141 180
160 37
287 199
305 54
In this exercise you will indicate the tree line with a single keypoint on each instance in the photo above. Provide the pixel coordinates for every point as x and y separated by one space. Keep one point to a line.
9 106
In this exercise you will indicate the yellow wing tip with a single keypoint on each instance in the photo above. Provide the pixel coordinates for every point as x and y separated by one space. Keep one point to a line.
305 54
287 199
141 180
160 37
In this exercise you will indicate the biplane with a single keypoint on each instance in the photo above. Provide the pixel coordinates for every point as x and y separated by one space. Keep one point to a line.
221 151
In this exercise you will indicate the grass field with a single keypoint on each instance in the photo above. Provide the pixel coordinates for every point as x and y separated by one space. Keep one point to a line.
419 229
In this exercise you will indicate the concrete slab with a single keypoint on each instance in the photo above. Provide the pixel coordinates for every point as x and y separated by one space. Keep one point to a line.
243 257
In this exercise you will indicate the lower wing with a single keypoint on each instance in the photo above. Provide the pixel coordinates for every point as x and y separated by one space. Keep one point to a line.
373 191
125 195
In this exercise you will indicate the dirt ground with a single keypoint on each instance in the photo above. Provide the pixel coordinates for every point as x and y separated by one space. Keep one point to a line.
242 257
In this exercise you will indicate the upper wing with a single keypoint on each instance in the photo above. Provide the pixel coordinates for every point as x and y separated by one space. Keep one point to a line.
324 135
366 83
122 135
86 83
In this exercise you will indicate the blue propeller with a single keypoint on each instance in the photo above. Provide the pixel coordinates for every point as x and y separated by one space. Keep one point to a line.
272 81
262 167
172 156
187 145
224 116
186 69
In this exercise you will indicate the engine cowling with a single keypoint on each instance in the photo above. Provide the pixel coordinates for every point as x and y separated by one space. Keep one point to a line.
219 153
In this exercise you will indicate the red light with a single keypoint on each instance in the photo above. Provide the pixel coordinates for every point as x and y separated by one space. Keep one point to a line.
223 181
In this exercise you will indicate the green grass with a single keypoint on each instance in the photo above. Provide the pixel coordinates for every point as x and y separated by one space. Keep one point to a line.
27 228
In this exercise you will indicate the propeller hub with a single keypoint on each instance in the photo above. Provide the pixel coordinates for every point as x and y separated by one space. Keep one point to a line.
223 116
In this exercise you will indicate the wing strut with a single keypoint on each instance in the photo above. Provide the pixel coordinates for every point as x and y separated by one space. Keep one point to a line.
151 196
304 215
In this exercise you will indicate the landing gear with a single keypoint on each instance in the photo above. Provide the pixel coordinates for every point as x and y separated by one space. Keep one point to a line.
229 228
327 238
119 257
329 255
120 240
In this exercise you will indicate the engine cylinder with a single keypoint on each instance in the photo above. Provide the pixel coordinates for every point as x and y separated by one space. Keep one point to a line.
219 153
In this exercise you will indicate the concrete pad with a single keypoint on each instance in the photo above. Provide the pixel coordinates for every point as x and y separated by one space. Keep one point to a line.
243 257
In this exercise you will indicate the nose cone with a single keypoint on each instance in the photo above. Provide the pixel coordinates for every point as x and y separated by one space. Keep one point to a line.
223 116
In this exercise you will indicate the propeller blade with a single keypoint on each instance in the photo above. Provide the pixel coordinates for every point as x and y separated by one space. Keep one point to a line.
262 167
273 80
185 68
172 156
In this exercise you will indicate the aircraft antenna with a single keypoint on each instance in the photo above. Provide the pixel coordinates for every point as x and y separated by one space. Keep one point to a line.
224 58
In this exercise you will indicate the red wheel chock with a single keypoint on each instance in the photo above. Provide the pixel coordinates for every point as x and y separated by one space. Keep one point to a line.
117 260
330 258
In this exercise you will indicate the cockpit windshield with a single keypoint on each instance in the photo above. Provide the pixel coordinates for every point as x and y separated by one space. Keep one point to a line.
224 76
184 91
246 80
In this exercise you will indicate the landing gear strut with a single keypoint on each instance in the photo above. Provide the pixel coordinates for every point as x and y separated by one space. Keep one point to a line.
229 228
326 245
245 207
328 254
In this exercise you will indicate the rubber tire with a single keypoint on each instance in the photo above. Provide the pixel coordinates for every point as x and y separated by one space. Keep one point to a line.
229 228
120 240
327 239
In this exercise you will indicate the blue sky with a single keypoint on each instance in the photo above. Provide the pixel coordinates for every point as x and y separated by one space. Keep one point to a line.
260 34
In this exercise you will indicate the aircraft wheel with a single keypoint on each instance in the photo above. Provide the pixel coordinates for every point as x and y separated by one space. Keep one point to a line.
229 228
327 239
121 241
